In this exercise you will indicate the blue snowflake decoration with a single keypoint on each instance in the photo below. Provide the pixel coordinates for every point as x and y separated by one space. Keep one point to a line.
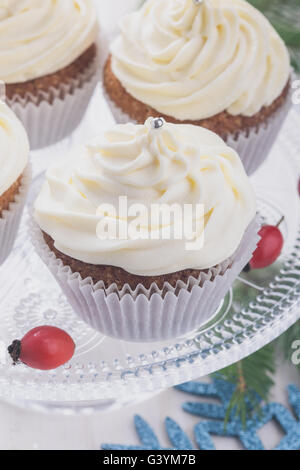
247 434
149 440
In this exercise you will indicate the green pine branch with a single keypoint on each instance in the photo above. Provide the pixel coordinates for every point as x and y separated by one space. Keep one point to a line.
253 381
253 376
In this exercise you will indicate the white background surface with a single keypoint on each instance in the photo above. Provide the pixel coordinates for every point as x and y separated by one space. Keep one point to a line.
21 429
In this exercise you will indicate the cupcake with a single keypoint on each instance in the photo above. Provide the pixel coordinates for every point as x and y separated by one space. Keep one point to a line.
14 177
215 64
127 272
48 60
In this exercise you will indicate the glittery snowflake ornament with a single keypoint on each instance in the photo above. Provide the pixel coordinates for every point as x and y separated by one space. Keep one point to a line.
203 431
247 434
149 440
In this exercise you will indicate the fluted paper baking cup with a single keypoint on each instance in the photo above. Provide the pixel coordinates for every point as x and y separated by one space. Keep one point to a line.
52 116
10 219
252 145
146 315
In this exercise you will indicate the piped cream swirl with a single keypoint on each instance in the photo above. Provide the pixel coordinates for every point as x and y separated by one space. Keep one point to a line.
38 38
179 164
193 62
14 148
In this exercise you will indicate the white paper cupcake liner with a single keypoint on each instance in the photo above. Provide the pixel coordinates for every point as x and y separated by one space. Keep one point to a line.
60 111
10 219
145 315
253 146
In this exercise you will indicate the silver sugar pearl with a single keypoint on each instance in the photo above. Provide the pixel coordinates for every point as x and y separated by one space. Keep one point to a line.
198 2
157 123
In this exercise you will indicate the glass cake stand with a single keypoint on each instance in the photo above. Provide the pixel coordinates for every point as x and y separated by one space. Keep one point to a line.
106 373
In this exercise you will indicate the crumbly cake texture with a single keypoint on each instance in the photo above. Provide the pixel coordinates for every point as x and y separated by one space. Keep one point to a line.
10 195
114 275
223 124
44 84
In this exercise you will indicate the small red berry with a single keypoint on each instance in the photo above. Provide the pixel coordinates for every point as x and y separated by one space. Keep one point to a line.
269 247
43 348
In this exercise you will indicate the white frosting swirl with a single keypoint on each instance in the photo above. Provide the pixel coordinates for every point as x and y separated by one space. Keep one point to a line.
193 62
38 38
14 148
180 164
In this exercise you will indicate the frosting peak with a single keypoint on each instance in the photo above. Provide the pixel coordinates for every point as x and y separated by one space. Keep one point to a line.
38 38
171 164
14 148
194 61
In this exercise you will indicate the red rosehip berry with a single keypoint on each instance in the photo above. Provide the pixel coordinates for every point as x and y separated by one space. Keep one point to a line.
43 348
269 247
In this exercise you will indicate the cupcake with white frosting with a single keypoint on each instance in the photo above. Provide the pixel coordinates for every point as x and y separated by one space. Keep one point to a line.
144 285
14 177
216 64
48 61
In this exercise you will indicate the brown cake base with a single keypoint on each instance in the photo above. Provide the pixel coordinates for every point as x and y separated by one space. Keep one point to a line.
10 195
44 84
223 124
114 275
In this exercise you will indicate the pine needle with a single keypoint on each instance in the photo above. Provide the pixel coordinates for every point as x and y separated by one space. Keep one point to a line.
252 378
